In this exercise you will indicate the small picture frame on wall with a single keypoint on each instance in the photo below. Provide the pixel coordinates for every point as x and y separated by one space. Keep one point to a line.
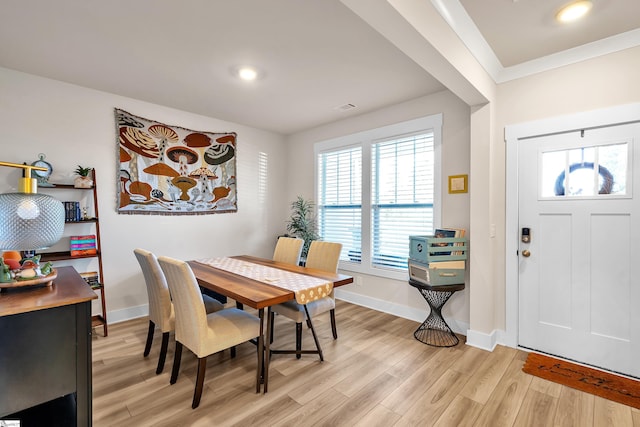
458 184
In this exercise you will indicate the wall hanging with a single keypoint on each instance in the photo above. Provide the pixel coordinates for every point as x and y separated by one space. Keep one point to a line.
170 170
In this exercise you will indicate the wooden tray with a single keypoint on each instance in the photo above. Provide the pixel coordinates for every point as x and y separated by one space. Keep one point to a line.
46 281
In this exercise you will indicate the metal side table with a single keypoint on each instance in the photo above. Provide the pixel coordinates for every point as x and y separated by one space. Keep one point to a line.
434 331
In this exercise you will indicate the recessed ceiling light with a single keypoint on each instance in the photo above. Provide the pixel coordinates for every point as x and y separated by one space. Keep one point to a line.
247 73
574 11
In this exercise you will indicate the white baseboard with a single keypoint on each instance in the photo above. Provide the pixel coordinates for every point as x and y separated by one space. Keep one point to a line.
418 315
482 340
117 316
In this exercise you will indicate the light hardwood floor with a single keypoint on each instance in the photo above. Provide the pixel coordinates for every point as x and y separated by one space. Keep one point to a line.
375 374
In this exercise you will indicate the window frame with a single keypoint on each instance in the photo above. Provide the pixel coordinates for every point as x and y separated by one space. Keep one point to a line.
365 139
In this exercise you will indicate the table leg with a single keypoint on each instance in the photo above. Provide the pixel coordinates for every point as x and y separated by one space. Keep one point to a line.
260 367
435 331
267 351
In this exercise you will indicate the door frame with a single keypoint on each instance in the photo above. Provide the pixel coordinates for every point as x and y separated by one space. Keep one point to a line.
514 134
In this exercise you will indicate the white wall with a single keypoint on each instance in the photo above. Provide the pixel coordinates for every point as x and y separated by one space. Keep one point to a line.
598 83
421 33
75 126
388 295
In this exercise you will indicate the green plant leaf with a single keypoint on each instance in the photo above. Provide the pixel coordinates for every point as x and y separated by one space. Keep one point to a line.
302 222
82 171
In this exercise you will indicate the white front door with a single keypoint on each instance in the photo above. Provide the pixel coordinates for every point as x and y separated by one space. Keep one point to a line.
579 273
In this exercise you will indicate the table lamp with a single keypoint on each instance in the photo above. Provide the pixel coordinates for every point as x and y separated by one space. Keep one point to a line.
28 220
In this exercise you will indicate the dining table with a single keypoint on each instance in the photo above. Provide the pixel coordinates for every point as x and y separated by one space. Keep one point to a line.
261 283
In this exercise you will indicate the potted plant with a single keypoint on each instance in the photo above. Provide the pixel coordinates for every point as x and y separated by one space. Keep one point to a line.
302 223
83 180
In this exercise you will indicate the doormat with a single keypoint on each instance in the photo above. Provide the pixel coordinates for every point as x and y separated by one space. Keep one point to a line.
609 386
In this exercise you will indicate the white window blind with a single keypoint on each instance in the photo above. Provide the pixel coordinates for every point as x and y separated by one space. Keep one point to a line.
402 196
340 200
375 189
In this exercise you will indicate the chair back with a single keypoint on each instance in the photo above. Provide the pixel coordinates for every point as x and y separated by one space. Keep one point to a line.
288 250
160 307
324 256
191 316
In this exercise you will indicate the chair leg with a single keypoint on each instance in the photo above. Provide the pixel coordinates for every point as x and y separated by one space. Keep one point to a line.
163 352
272 320
147 347
177 355
259 368
298 340
333 324
202 368
315 337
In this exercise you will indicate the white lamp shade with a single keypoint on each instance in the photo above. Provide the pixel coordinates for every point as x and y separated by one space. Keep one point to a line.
30 221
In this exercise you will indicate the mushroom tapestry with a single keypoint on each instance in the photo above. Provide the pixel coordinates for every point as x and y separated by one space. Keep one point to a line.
169 170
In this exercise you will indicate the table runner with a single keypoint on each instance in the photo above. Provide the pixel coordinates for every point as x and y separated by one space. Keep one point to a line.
306 288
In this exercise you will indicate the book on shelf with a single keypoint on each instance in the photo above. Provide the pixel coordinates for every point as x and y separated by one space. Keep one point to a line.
72 211
83 245
460 232
91 277
441 233
449 232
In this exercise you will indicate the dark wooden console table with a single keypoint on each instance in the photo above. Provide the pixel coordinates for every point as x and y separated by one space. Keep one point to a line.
45 356
435 331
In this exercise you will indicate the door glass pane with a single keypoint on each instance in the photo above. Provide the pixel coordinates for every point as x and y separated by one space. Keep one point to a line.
614 158
580 181
585 172
553 164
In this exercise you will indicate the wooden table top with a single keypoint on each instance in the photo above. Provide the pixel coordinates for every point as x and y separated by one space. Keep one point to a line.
67 288
253 293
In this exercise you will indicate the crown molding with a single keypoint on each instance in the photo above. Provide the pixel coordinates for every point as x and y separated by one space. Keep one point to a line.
456 16
587 51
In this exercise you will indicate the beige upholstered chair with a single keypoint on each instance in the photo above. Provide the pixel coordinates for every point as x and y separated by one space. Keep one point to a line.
288 250
161 312
203 333
322 256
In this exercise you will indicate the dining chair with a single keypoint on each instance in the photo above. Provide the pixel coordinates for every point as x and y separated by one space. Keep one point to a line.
288 250
321 256
161 312
204 334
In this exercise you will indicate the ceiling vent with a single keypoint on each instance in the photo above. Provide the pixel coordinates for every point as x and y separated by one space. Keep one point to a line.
344 107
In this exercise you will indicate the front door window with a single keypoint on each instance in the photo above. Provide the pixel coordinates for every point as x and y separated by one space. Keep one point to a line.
593 171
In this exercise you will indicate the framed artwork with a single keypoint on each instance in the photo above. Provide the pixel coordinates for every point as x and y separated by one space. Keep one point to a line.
170 170
457 184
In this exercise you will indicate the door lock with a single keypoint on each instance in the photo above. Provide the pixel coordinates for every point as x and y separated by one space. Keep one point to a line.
526 235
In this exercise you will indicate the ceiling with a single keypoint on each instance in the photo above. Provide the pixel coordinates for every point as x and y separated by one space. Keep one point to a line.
314 57
523 30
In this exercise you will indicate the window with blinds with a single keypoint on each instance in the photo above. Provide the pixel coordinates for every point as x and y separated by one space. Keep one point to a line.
373 207
402 172
340 200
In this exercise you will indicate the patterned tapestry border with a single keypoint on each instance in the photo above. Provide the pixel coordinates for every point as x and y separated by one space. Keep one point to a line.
170 170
